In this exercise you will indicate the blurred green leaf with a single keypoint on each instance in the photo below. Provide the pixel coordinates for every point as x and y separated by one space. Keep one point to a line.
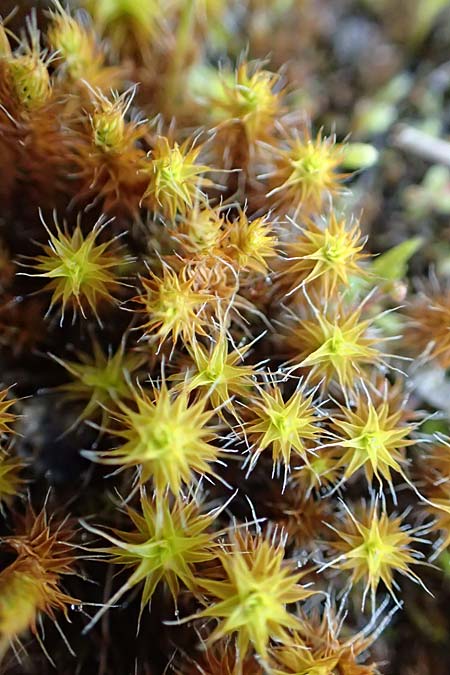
359 156
393 265
427 11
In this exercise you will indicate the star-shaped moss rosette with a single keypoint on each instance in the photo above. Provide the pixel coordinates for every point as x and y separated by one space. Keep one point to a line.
166 544
336 344
251 600
100 380
305 171
373 437
325 255
165 437
373 546
81 272
289 428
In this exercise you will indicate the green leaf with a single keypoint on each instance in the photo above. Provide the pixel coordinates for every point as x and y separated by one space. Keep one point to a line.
359 156
393 265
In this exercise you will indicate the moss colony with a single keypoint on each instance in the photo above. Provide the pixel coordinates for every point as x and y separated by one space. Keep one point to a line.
224 405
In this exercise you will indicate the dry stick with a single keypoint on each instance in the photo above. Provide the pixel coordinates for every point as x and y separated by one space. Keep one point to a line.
421 144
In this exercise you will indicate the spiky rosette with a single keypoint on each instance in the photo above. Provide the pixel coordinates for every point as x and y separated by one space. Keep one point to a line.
251 600
218 373
201 232
326 254
172 306
27 70
372 547
373 437
335 343
11 480
300 514
244 106
321 648
434 469
81 272
7 417
251 244
167 438
288 427
220 658
305 172
166 543
175 180
427 330
78 51
108 153
248 97
320 472
100 380
31 128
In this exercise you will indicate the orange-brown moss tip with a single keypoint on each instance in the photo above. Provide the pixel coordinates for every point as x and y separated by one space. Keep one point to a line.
30 585
82 273
108 154
201 232
301 515
7 417
166 543
427 331
220 658
251 599
250 244
175 180
324 254
167 438
304 172
434 472
100 380
111 133
372 546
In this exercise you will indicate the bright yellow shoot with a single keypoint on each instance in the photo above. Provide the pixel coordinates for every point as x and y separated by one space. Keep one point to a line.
251 243
373 549
251 601
165 437
326 254
305 172
285 426
335 346
218 373
249 98
80 270
100 380
372 437
10 479
164 546
175 178
172 306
